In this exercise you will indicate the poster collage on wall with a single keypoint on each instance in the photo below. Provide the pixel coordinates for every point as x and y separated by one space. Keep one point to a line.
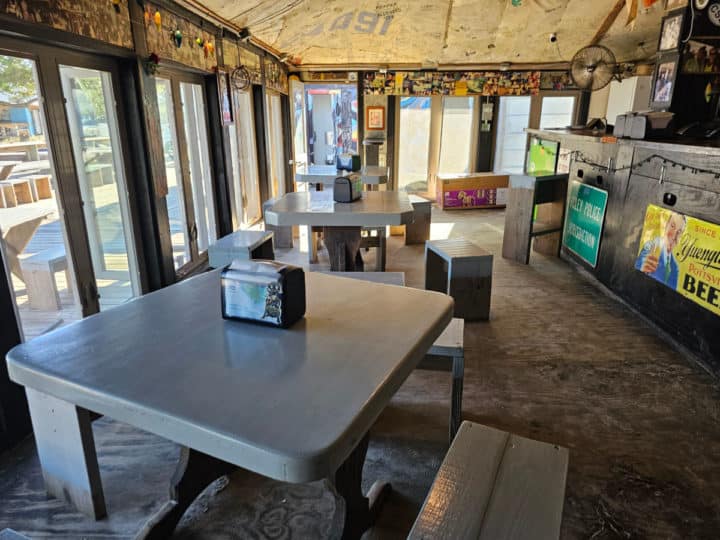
452 83
275 76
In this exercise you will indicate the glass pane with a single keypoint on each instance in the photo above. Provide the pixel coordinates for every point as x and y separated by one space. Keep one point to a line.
196 136
236 203
414 144
33 242
457 135
247 152
557 112
173 172
513 119
276 154
93 126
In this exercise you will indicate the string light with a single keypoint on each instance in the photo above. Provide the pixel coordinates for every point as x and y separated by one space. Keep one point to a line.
582 158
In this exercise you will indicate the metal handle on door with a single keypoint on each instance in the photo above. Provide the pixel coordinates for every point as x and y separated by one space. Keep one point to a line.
193 232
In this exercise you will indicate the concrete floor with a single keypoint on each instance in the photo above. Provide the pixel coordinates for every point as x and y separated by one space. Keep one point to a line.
558 361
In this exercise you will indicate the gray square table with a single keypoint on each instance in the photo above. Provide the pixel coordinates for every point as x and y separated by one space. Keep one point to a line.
295 405
341 222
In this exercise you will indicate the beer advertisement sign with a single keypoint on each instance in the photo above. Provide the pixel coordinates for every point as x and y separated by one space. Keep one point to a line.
682 253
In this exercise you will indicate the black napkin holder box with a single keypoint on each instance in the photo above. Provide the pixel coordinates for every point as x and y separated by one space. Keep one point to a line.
266 292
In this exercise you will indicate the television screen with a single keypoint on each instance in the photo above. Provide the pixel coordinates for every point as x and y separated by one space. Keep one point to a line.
542 157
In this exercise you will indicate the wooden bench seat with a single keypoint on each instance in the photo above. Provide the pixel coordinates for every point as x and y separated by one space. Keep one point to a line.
38 271
243 245
493 485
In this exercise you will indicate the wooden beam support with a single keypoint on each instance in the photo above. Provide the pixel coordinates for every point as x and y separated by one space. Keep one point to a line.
608 22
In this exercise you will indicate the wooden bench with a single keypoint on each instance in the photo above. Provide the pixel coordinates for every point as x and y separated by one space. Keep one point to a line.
243 245
446 354
282 236
22 190
493 485
375 237
40 185
418 232
7 195
38 271
462 270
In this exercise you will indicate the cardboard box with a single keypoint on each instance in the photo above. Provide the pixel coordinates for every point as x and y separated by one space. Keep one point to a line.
472 190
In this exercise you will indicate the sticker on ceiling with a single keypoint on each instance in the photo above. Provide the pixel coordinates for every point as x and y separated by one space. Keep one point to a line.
387 9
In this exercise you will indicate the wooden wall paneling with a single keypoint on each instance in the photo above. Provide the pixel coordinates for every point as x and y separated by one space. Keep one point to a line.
219 155
289 163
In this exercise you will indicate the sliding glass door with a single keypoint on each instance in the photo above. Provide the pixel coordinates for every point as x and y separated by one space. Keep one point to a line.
93 124
414 144
245 187
275 146
188 166
511 141
33 238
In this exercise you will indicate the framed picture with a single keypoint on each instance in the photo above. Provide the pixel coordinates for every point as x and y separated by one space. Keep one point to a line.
671 31
664 78
701 57
375 118
224 97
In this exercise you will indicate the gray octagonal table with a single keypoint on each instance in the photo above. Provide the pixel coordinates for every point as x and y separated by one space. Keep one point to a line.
295 405
341 222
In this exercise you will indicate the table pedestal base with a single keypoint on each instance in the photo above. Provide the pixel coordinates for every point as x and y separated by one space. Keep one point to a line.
361 511
194 472
343 245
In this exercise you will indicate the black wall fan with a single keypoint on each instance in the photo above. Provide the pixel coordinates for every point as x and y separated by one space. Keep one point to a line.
593 67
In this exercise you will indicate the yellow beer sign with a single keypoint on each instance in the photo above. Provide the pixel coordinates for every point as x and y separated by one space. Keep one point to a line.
683 253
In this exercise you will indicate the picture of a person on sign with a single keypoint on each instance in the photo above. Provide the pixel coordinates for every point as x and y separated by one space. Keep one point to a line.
656 258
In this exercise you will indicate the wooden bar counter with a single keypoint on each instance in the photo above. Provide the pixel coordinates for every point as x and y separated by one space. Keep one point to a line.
645 181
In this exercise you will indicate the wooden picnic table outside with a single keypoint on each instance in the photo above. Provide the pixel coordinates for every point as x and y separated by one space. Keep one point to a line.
295 405
6 168
31 148
18 225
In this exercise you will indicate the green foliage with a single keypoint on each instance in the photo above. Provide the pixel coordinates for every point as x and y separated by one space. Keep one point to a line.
17 82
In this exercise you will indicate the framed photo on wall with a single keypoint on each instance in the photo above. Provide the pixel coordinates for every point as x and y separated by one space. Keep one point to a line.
375 118
663 85
224 97
670 34
700 57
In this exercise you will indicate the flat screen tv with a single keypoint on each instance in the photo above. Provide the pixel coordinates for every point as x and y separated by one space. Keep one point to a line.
542 157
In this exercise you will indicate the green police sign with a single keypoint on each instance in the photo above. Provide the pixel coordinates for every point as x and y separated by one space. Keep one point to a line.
584 221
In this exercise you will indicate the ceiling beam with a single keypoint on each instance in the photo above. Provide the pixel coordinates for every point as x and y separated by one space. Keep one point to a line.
608 22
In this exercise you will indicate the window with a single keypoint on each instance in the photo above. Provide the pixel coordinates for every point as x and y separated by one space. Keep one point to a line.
173 172
275 146
458 138
414 144
245 188
196 137
557 112
513 119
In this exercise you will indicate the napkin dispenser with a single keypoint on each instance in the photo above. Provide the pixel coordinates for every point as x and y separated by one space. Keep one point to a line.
267 292
347 188
347 162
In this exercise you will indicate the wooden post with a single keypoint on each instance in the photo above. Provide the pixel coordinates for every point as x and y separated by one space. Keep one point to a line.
69 463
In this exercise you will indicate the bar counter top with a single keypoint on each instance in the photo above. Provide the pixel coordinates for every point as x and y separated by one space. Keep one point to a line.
689 145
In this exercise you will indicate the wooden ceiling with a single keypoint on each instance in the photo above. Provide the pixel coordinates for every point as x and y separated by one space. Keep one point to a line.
428 33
